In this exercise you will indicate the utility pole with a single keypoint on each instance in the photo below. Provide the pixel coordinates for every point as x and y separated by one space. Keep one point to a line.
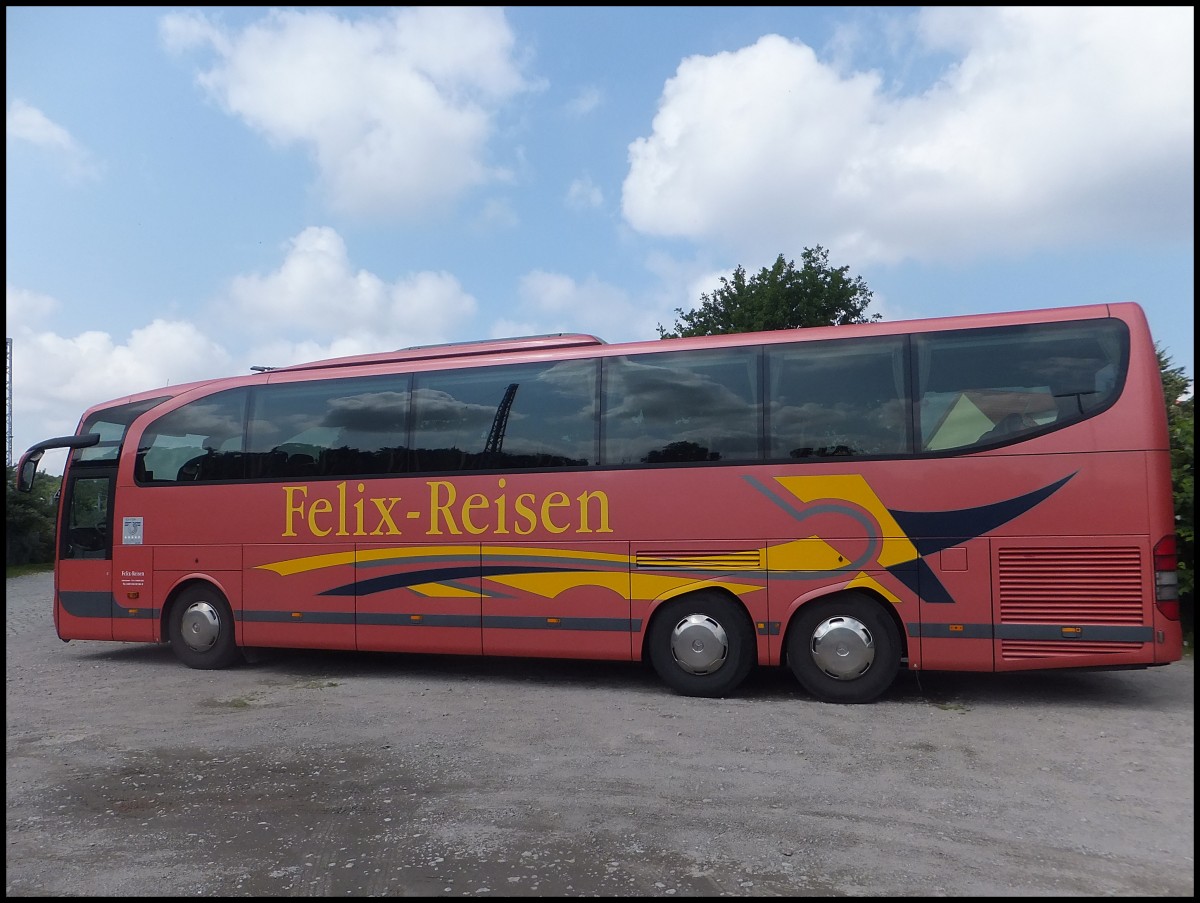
8 405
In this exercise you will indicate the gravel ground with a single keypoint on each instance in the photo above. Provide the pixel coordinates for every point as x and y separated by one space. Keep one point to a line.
322 774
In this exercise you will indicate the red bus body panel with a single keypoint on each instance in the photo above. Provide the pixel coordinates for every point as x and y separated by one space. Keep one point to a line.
1029 556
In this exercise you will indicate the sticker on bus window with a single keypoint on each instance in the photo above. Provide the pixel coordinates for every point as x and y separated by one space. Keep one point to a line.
131 531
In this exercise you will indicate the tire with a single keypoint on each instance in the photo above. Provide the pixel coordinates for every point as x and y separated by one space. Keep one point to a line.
201 629
702 644
845 649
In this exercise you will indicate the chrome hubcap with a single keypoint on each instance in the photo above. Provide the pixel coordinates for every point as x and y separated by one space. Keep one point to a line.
200 627
843 648
699 644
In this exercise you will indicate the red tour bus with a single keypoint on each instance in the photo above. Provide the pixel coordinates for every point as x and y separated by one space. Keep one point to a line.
976 493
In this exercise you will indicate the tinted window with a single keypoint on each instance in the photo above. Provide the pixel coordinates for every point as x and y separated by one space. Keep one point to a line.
510 417
333 428
111 424
682 407
980 387
86 531
840 398
198 442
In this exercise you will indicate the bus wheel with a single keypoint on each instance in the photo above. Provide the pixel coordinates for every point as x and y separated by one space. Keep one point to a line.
845 649
702 644
201 629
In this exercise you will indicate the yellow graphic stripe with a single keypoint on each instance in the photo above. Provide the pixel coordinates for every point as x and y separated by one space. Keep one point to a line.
639 585
290 566
549 586
445 591
867 582
309 563
811 554
853 488
536 552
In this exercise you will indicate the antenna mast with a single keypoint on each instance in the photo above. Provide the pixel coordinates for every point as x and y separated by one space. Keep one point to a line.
8 404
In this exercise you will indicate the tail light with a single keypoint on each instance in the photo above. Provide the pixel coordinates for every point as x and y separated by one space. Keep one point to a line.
1166 581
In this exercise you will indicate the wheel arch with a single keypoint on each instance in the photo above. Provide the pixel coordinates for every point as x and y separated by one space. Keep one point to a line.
182 585
860 592
658 604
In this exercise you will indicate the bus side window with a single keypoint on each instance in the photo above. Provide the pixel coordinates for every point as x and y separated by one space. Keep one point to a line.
1009 425
300 465
189 472
682 407
979 387
830 399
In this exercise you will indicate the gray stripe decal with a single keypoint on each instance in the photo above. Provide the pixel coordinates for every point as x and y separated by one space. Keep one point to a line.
1055 632
310 617
621 625
1047 632
943 631
379 619
87 604
383 619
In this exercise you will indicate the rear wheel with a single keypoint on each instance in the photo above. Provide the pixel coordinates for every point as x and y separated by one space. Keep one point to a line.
845 649
702 644
201 629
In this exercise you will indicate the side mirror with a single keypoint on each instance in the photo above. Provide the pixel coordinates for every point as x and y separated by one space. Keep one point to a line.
27 470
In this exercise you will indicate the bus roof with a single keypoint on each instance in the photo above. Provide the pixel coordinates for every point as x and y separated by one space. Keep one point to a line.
567 340
576 343
452 349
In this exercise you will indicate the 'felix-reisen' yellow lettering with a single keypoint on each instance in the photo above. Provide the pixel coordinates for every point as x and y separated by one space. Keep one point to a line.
385 517
602 500
477 514
290 507
320 506
526 513
296 511
439 509
553 500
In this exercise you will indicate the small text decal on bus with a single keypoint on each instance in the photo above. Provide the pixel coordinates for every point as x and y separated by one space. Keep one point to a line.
350 512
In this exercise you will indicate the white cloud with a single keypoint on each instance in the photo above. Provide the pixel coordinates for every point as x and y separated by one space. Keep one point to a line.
396 108
56 378
316 291
497 214
553 302
584 194
585 101
28 124
23 307
1053 126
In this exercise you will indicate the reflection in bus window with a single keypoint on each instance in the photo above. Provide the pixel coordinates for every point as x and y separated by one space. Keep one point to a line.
676 407
512 417
334 428
198 442
111 424
841 398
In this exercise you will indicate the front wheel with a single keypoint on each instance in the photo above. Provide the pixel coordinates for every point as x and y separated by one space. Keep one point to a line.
845 649
702 644
201 629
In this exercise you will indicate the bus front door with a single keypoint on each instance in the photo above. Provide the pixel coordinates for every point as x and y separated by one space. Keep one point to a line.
83 587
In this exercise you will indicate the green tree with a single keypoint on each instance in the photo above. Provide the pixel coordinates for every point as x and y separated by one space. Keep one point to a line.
29 520
779 297
1181 424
